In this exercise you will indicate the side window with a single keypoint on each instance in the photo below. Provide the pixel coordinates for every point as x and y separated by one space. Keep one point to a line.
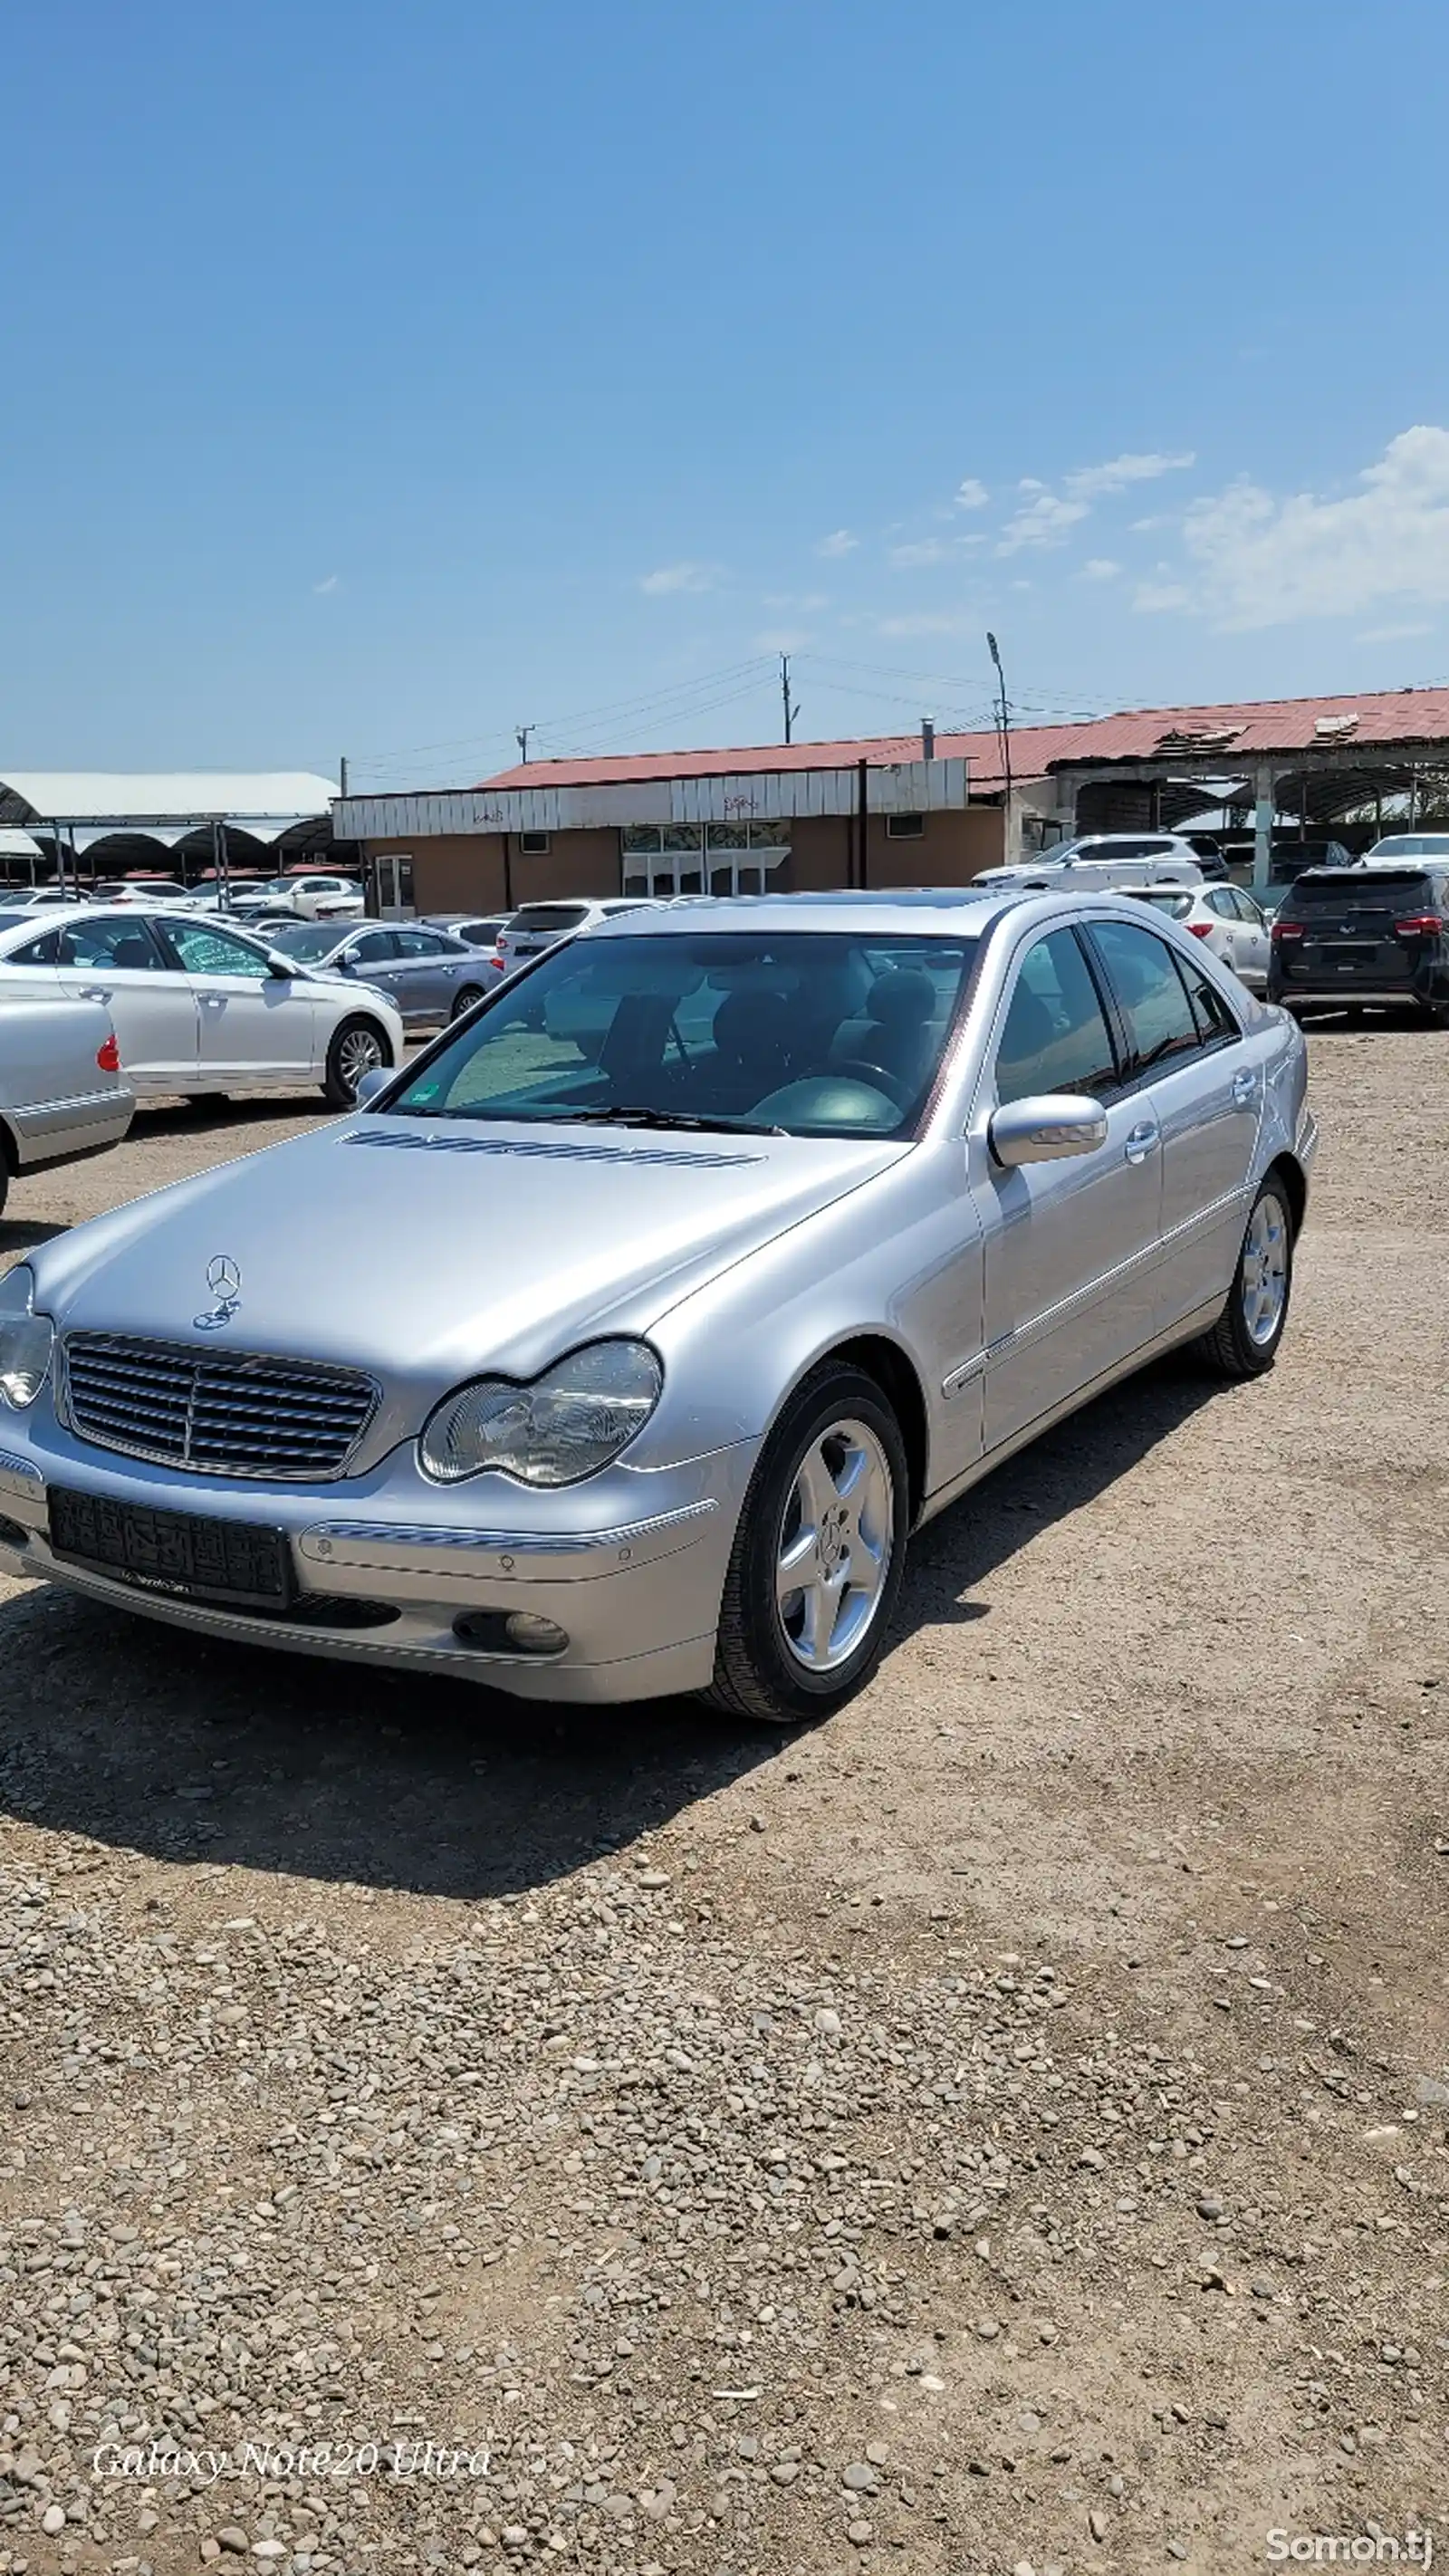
37 952
1214 1019
372 947
204 951
1160 1024
1055 1037
1223 901
120 942
421 943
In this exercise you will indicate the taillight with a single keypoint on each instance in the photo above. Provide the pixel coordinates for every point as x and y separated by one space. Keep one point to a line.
108 1057
1420 925
1200 929
1286 930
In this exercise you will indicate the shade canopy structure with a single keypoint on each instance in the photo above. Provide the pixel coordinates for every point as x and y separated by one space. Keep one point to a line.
111 821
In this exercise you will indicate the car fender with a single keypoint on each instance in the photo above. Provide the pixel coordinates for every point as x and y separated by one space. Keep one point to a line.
900 1261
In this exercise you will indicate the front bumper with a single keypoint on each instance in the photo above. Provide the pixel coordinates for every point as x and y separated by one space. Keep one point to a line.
630 1565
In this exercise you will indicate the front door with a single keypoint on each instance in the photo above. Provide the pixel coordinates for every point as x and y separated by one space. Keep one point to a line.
255 1027
424 984
117 958
1070 1246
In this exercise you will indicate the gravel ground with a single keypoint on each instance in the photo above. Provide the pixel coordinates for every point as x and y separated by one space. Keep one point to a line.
1003 2130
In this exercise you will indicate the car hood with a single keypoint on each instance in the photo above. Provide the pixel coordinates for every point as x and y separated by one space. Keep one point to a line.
427 1251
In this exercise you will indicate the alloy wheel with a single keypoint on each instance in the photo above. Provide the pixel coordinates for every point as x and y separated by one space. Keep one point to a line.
834 1551
1264 1277
359 1053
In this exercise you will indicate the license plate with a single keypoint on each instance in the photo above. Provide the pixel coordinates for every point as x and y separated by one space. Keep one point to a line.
179 1553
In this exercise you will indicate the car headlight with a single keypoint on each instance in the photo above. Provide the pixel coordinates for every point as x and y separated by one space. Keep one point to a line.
26 1340
567 1424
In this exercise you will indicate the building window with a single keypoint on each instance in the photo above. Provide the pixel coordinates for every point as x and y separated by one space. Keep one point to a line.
534 845
905 827
699 858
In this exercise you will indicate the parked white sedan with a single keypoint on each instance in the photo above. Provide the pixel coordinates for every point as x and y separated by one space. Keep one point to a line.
199 1008
1227 921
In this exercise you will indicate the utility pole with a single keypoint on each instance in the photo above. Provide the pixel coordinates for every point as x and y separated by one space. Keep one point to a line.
791 711
520 736
342 775
1003 727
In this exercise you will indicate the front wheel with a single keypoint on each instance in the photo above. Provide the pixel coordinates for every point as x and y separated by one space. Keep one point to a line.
358 1046
1244 1341
818 1555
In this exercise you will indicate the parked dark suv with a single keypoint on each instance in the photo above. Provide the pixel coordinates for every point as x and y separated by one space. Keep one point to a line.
1344 936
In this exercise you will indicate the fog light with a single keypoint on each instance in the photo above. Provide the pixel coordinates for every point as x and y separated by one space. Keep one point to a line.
535 1634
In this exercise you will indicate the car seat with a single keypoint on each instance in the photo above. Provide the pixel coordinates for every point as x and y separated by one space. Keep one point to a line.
896 1032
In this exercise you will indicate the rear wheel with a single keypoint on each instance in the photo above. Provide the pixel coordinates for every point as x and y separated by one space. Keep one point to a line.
358 1046
1244 1341
818 1555
465 1000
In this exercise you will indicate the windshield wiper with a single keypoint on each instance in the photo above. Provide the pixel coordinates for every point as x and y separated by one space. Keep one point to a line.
624 1114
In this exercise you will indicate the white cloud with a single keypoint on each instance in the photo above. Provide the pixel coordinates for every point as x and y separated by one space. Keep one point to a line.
1257 561
1154 597
843 542
1100 568
1043 522
320 589
1392 634
1090 482
923 622
971 494
925 550
671 578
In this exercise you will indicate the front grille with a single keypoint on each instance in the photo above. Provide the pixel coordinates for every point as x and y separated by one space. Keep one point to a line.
232 1414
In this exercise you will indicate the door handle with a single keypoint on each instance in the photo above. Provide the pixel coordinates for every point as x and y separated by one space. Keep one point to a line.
95 992
1245 1089
1140 1142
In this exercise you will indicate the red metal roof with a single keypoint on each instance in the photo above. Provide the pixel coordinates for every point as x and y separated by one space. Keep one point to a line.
1250 730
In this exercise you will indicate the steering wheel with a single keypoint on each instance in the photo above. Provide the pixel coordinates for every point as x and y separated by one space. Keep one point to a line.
878 1077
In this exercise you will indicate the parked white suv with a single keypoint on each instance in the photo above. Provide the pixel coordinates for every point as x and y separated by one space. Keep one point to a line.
537 926
1104 860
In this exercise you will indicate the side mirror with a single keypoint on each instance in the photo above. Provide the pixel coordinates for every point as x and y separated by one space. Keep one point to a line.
278 966
371 1084
1046 1127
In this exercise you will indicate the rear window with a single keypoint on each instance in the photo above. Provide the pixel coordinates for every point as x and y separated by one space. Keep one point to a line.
549 916
1361 889
1176 906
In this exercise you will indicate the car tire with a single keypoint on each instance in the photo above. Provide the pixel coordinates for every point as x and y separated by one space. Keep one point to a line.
1244 1341
465 1000
1436 1014
775 1660
349 1058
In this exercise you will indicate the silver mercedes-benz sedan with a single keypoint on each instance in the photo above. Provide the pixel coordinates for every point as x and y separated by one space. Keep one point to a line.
618 1343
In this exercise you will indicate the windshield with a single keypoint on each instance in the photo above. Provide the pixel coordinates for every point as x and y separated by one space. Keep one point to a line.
307 940
806 1033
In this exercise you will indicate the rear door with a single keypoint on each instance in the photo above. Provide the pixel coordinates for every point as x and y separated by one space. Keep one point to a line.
1190 1068
117 958
427 975
255 1027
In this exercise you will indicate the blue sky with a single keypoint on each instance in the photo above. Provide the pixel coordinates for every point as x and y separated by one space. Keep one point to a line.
380 377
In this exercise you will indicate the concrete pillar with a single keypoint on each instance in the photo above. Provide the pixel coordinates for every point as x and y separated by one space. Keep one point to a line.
1263 828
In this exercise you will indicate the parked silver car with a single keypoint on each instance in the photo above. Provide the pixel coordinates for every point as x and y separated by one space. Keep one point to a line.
63 1094
428 975
617 1345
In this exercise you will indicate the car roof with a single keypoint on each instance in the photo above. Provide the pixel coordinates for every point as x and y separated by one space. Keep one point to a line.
944 909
